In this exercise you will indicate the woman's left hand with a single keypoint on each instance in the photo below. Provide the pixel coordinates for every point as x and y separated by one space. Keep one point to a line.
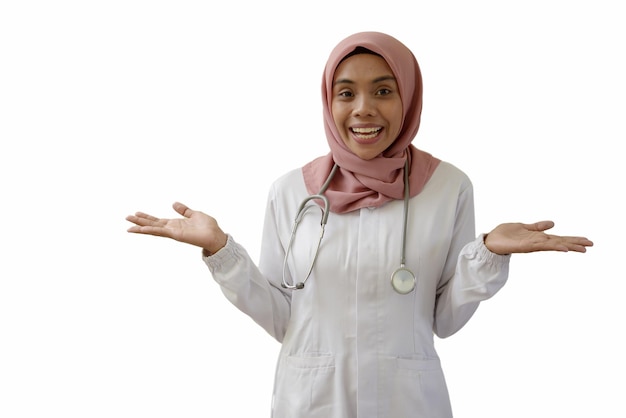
517 237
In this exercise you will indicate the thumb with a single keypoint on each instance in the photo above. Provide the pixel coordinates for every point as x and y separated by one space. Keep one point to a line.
182 209
540 226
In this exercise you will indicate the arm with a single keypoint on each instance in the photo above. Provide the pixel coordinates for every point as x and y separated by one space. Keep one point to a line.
256 291
245 286
482 266
479 274
240 279
471 273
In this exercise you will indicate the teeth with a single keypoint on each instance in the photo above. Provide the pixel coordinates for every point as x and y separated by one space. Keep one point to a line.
365 130
366 133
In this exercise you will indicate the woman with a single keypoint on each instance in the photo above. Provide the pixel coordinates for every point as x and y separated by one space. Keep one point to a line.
357 340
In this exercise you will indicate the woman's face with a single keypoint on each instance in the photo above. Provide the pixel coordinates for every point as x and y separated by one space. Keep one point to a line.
366 105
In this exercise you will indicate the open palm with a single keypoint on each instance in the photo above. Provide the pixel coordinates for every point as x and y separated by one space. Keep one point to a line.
517 237
195 228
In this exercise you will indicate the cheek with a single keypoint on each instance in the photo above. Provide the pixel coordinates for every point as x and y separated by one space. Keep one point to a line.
338 118
397 120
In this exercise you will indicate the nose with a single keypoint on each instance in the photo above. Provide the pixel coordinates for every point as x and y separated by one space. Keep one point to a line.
364 106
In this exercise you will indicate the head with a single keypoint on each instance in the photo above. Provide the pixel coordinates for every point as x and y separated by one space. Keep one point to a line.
366 104
372 96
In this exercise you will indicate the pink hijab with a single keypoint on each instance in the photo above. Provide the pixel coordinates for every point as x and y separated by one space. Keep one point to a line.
371 183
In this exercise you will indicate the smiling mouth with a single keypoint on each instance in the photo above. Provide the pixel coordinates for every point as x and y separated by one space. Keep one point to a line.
365 134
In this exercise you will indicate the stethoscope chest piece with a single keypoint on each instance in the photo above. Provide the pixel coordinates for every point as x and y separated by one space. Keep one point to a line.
403 281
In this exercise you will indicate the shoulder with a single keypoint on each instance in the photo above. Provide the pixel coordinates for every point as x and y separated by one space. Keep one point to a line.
286 193
447 174
288 186
289 180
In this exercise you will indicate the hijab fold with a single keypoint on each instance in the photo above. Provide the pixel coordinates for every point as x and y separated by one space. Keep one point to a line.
371 183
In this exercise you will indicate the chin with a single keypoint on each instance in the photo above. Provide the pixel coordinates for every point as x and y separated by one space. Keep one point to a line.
365 152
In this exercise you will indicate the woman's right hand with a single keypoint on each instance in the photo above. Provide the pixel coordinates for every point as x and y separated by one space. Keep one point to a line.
195 228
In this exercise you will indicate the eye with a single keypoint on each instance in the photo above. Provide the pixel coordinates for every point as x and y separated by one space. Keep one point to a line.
345 94
383 92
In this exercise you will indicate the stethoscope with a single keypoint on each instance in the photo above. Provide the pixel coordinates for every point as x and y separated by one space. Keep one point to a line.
402 279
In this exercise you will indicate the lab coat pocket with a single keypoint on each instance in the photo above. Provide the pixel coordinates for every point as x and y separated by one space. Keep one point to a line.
304 385
419 389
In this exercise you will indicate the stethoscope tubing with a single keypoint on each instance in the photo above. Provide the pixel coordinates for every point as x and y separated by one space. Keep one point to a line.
402 279
301 211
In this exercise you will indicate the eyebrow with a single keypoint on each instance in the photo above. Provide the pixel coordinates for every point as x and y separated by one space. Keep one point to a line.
376 80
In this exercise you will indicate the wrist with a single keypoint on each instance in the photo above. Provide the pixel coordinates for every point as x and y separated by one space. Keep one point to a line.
214 248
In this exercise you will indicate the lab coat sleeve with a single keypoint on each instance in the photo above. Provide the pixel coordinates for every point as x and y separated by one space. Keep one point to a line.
472 273
248 289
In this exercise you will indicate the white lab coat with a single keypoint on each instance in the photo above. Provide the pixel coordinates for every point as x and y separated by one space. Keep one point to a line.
351 345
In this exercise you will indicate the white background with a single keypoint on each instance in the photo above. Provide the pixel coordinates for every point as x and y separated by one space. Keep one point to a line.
107 108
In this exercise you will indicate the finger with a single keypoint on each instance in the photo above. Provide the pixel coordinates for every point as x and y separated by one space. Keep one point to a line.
146 216
142 219
558 243
135 229
577 240
149 230
182 209
578 248
134 219
539 226
578 244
